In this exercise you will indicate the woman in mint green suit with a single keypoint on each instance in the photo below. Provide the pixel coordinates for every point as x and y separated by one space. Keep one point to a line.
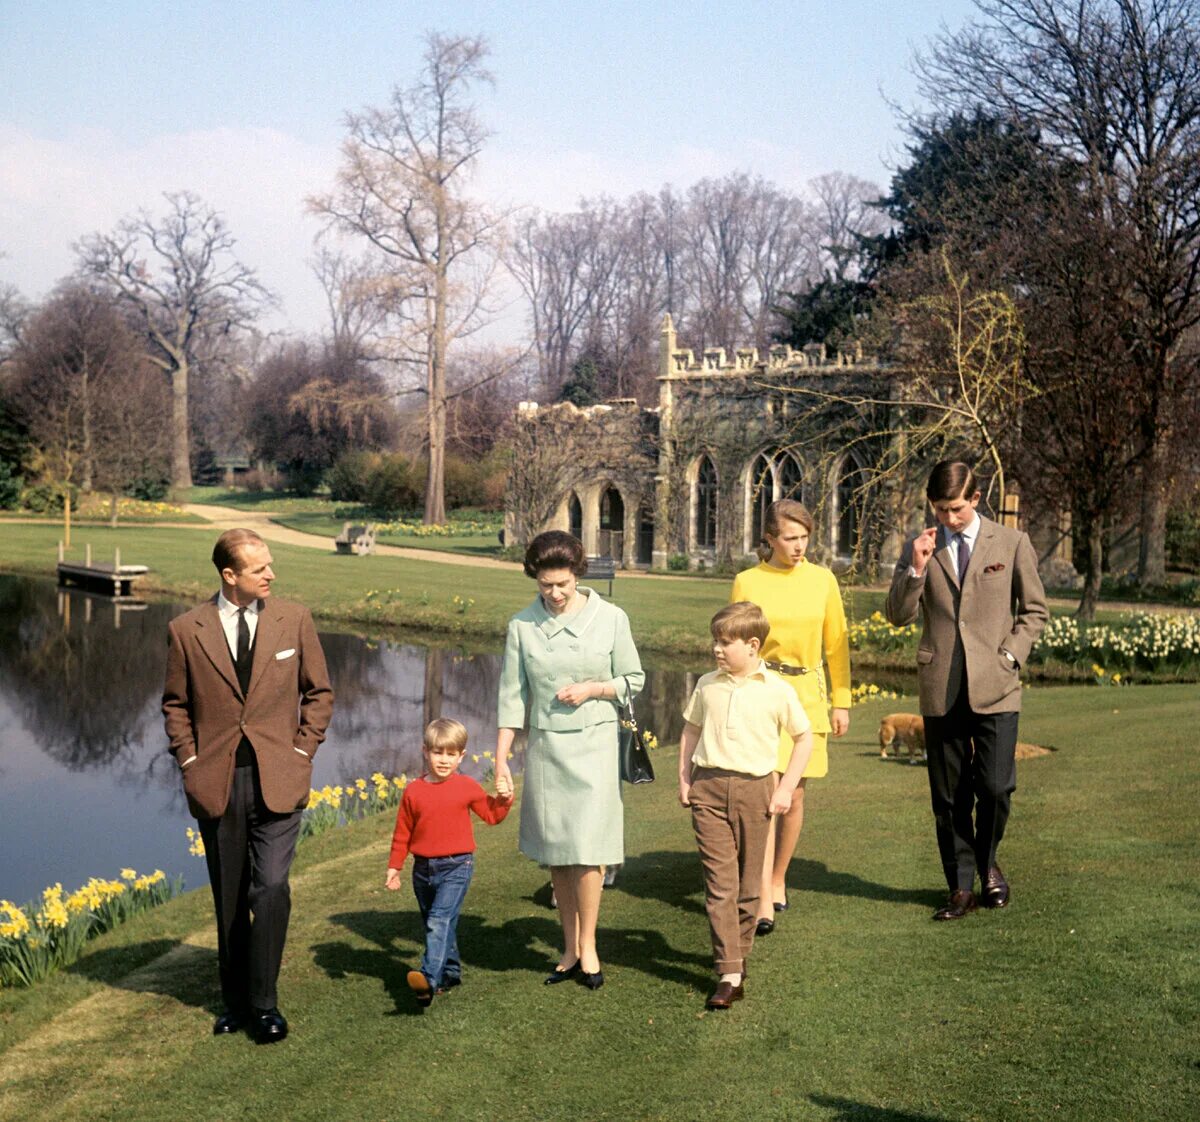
569 658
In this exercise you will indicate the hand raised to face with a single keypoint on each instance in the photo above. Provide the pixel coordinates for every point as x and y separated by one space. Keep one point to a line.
923 548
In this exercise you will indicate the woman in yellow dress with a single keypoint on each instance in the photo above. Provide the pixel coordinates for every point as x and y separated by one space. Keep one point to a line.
803 604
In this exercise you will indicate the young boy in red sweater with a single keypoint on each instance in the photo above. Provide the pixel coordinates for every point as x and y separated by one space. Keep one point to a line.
434 824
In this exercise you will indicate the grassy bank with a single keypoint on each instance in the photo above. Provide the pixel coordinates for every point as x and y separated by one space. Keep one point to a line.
1078 1002
369 592
469 604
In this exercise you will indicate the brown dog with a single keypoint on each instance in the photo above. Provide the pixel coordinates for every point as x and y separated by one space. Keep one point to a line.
898 729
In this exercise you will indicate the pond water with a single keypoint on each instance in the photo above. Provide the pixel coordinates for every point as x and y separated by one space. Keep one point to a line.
86 785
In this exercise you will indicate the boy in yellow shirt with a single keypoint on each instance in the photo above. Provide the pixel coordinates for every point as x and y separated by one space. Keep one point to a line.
727 755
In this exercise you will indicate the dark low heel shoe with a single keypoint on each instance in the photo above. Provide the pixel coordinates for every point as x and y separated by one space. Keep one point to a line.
562 975
764 927
270 1026
592 981
229 1021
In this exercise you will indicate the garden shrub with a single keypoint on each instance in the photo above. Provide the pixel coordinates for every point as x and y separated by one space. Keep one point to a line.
350 476
396 485
10 487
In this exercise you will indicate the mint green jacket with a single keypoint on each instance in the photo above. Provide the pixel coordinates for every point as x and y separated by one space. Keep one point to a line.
543 653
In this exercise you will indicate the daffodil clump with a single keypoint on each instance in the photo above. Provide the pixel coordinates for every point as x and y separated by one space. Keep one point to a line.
356 798
39 937
869 691
1139 641
458 528
875 634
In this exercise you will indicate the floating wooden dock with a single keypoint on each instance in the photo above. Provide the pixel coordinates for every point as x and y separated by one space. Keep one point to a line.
110 579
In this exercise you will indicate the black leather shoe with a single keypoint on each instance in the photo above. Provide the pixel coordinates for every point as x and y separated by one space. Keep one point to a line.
447 985
995 889
784 906
962 902
562 975
592 981
228 1022
764 927
270 1027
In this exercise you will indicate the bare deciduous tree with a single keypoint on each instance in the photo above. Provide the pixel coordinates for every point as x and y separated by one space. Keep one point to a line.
182 285
1113 86
401 187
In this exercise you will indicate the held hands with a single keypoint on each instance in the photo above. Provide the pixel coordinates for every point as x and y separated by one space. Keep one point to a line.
781 801
923 548
504 782
579 692
840 720
393 880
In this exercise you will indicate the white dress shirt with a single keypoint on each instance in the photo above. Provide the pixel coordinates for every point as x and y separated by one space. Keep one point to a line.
228 612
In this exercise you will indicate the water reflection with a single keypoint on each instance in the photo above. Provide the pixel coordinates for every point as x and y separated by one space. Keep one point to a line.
86 784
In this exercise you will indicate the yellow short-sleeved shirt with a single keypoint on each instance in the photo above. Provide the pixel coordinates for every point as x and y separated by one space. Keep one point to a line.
741 720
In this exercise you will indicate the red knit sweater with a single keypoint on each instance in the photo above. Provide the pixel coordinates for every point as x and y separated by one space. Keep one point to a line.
434 818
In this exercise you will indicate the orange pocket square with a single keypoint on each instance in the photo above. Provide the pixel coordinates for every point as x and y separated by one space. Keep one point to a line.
996 568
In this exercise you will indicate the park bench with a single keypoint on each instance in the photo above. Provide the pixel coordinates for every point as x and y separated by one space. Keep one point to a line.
602 568
356 537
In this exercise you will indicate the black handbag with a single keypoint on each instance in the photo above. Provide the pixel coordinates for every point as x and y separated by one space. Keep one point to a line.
635 760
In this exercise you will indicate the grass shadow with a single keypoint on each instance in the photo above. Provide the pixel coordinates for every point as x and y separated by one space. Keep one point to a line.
816 876
850 1111
665 875
160 966
515 945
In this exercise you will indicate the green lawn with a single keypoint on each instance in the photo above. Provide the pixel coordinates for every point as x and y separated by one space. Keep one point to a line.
1080 1001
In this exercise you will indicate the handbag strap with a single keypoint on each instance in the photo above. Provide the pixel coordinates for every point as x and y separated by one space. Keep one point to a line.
628 706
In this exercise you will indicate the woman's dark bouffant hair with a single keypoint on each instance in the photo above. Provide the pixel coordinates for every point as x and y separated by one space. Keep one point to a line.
555 549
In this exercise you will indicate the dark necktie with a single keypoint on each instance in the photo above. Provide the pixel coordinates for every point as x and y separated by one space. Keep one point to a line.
242 662
964 558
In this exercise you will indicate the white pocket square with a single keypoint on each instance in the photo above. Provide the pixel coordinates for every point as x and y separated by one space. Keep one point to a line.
285 654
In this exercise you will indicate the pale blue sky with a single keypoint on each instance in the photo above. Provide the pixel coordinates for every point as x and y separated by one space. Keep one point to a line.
104 105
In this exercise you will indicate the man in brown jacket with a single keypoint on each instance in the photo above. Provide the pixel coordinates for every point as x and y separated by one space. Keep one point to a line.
247 701
977 588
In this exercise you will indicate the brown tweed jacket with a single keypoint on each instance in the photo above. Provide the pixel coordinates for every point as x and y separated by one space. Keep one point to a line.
1002 606
284 714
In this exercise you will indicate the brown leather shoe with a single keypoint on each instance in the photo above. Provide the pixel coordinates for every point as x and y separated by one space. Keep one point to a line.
962 902
725 995
995 889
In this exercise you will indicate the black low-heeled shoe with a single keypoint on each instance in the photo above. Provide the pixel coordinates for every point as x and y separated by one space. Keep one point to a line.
782 907
764 927
562 975
592 981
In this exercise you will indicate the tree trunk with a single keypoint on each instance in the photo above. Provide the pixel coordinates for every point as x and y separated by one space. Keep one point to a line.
435 481
112 510
181 452
1091 580
1152 546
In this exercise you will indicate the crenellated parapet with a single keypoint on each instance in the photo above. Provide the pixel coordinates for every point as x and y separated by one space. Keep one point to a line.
682 362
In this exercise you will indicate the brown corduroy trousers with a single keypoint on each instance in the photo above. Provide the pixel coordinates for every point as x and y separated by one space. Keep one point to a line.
731 820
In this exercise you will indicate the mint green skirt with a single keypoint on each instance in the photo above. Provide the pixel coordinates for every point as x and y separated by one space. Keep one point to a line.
571 809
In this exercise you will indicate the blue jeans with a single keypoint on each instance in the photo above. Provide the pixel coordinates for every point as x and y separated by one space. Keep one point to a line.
440 885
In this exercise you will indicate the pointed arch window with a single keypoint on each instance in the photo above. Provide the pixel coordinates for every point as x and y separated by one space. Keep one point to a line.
575 516
706 504
762 494
791 477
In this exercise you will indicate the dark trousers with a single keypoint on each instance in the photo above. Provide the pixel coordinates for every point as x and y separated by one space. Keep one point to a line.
972 775
440 885
249 851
